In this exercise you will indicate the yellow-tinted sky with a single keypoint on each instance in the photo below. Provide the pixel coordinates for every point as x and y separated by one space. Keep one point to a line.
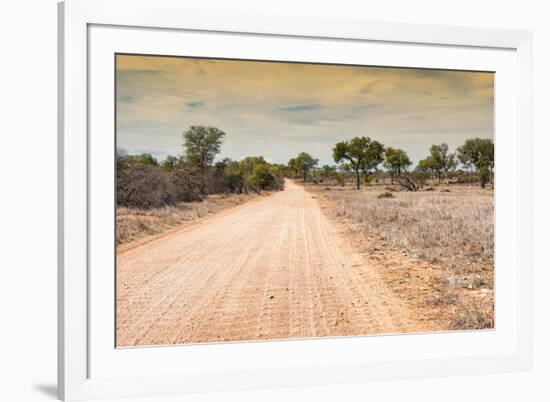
280 109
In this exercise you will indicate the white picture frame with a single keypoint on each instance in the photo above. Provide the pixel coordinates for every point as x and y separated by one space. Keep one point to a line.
88 368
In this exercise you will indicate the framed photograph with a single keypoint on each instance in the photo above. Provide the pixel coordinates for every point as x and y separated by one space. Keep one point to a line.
252 201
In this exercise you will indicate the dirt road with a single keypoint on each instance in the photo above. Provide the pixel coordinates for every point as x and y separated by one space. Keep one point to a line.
272 268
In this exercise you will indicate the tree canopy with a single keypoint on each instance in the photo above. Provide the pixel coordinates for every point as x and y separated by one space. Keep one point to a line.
438 161
304 162
361 153
262 177
478 153
247 164
441 160
396 161
202 144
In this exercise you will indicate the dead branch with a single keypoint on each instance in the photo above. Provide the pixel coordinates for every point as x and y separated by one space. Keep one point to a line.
407 184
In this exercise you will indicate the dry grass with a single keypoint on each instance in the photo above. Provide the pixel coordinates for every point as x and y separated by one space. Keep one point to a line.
450 229
134 224
434 225
472 314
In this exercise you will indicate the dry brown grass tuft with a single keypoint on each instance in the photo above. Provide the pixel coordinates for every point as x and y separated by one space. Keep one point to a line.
447 290
471 314
134 224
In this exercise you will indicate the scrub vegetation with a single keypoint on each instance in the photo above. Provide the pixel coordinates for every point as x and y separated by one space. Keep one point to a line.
143 182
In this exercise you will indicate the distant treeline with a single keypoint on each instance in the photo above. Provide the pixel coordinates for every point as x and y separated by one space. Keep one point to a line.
144 182
363 158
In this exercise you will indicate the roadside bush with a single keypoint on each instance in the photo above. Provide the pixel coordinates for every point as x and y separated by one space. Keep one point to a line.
216 182
225 178
234 182
144 183
187 183
234 177
216 179
263 179
144 186
387 194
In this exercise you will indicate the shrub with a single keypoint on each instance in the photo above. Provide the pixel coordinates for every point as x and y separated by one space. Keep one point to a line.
143 183
216 181
234 177
234 182
262 178
387 194
187 183
225 177
144 186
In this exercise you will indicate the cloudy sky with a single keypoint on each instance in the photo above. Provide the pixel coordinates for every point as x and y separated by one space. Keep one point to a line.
280 109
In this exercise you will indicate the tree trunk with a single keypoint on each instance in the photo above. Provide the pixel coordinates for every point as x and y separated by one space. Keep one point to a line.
483 179
357 179
305 175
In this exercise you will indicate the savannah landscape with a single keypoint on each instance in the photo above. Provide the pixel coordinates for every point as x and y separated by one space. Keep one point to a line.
213 248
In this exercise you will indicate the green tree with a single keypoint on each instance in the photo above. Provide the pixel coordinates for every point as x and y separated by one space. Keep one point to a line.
396 161
262 178
362 154
425 166
478 153
441 160
375 156
328 172
345 167
170 162
279 169
304 163
450 164
235 177
141 159
202 144
437 159
293 167
249 163
125 162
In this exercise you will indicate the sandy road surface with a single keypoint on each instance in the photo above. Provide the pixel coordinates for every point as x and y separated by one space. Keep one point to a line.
272 268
